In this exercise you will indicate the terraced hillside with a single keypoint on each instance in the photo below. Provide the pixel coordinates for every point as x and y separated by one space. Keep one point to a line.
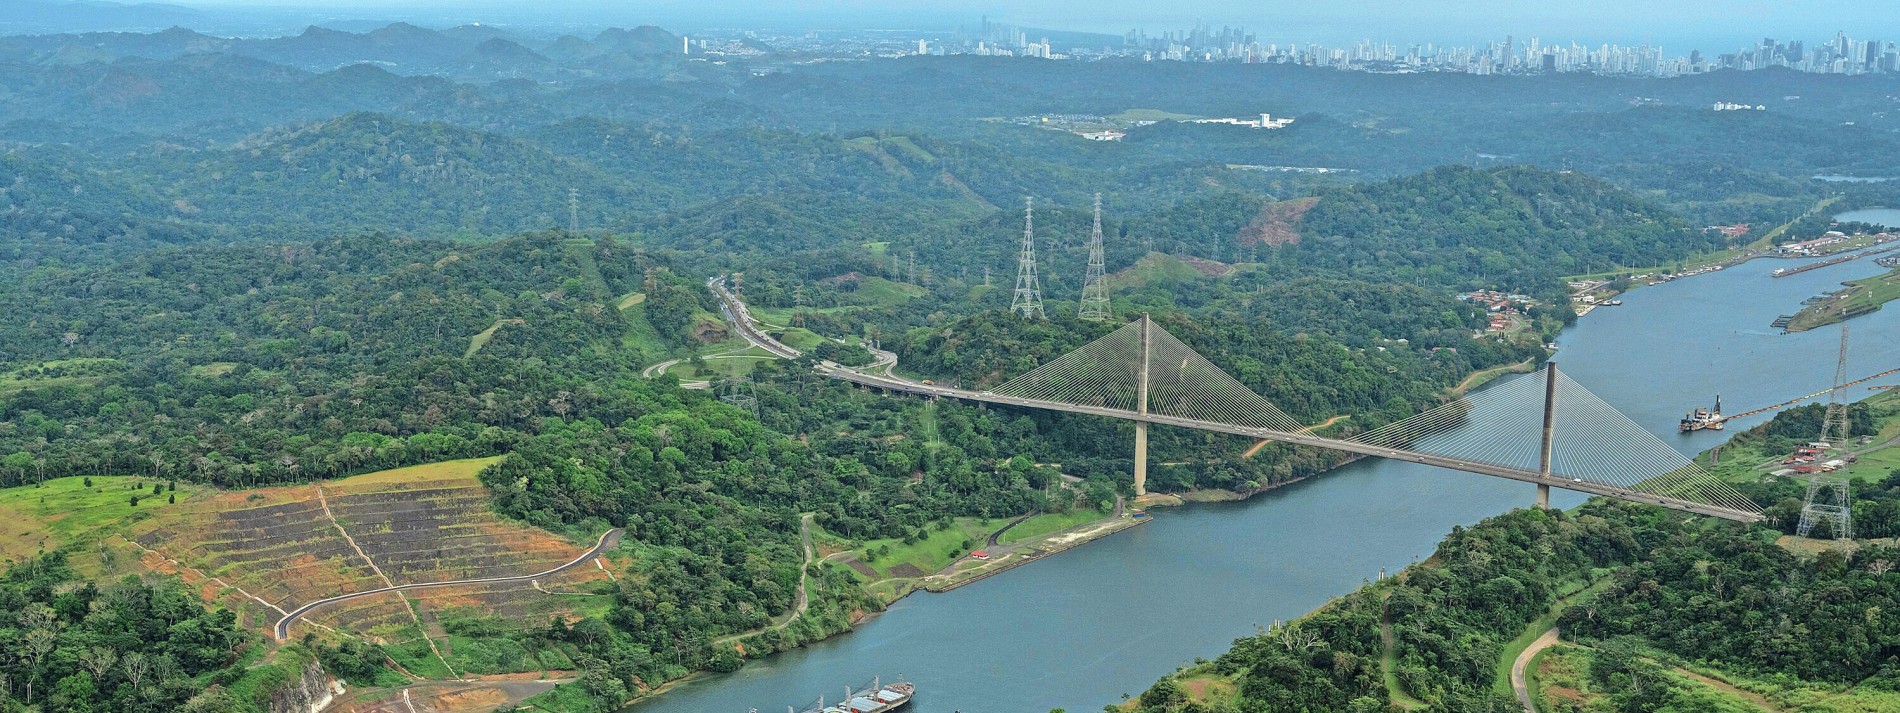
267 552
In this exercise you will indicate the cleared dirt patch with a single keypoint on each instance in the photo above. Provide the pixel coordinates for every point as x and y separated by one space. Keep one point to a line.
423 524
1277 223
906 570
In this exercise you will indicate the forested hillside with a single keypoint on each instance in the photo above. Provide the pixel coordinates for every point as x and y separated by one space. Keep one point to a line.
1521 228
129 645
1645 595
250 261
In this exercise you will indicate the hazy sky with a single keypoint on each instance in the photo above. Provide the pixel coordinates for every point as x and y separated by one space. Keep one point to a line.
1717 23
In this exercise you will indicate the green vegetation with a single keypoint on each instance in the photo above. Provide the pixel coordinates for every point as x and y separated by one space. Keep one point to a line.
1051 522
326 272
1507 656
910 556
1711 596
125 646
481 339
58 373
76 511
1861 297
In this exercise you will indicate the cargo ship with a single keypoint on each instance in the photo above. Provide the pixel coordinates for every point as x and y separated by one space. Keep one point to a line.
1702 419
874 698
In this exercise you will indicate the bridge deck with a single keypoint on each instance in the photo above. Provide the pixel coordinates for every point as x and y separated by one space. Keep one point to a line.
744 323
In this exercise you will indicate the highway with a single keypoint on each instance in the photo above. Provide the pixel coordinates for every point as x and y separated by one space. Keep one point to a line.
607 540
743 322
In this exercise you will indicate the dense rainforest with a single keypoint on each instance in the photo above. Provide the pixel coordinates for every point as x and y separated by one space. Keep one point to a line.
260 261
1635 586
129 645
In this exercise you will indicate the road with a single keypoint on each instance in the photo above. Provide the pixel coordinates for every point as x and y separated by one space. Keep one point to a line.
607 541
745 324
1520 681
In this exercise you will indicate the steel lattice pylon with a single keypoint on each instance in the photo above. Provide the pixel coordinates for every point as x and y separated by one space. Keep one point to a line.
1028 299
1828 502
739 392
1095 305
1834 427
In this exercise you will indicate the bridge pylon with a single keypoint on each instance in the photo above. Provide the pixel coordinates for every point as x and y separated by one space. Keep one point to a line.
1550 430
1141 407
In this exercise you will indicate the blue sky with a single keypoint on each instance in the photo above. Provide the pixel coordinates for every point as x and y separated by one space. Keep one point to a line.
1708 24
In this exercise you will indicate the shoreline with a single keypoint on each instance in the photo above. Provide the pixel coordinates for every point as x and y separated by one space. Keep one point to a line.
1090 532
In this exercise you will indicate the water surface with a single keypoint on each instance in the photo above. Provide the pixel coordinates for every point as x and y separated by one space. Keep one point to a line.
1889 217
1083 628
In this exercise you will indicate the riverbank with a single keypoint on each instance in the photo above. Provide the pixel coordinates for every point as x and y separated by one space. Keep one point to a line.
998 560
1862 296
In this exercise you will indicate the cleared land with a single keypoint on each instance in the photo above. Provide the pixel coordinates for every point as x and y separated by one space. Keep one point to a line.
264 552
59 372
1861 297
1748 461
64 511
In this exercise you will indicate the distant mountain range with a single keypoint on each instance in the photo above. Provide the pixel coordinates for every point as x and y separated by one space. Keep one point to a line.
470 52
40 16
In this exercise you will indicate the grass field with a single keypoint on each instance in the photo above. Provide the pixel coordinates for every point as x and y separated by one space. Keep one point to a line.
801 339
63 511
1051 522
1154 267
1746 462
481 339
630 299
1562 676
722 368
214 369
59 372
1865 295
872 293
932 553
640 335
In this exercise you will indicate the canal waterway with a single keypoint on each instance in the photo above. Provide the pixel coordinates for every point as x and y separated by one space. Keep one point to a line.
1889 217
1081 629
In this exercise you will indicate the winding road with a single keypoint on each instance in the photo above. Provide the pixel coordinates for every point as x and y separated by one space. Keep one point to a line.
1520 680
607 541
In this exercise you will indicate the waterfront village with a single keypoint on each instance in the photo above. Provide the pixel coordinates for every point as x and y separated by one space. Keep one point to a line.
1834 241
1506 311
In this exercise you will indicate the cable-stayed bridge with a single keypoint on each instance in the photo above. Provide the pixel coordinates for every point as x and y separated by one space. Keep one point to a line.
1541 428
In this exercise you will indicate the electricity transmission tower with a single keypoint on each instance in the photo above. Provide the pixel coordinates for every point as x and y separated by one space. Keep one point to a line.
1095 282
1828 502
739 392
1028 299
573 211
1834 426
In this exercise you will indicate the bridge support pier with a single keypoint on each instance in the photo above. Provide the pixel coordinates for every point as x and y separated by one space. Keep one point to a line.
1550 426
1141 458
